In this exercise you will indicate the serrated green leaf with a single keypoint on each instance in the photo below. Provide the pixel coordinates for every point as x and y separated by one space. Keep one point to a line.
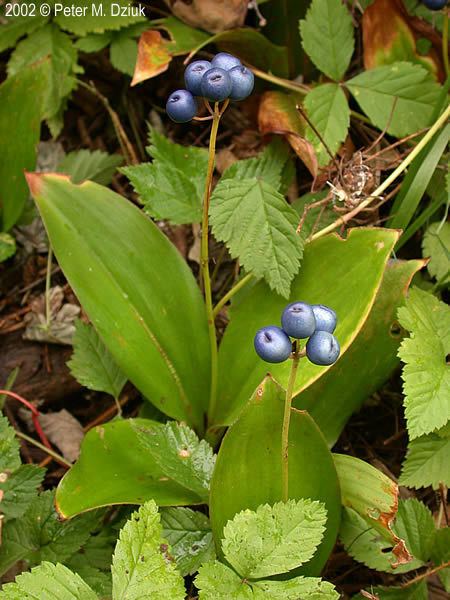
94 42
190 537
328 110
298 588
436 246
110 17
426 376
7 246
415 525
215 581
180 454
418 591
411 87
259 228
9 447
427 462
327 37
98 580
123 53
172 186
38 535
48 582
92 365
17 27
19 490
142 566
95 165
441 555
274 539
50 41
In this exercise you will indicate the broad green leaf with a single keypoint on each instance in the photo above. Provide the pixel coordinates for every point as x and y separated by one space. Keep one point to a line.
38 534
180 454
117 465
248 468
415 525
92 365
304 588
328 110
436 246
373 498
418 591
273 539
19 489
99 581
95 165
172 186
190 537
94 42
441 555
259 228
410 87
427 462
105 246
123 54
7 246
327 36
426 376
9 447
369 361
16 27
216 581
270 166
105 16
21 110
348 286
142 566
50 41
48 582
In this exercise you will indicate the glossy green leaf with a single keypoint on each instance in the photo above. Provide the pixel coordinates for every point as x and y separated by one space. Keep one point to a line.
327 36
329 112
190 537
369 361
248 468
130 279
117 465
21 110
142 566
348 285
411 87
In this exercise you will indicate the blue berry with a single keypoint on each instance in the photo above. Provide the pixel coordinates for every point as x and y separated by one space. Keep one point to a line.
298 320
193 75
216 85
323 348
272 344
242 80
225 61
181 106
326 318
434 4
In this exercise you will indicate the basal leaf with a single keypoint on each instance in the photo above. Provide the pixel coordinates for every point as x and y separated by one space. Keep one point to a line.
95 165
427 462
190 537
327 36
123 462
328 110
142 565
426 374
172 186
349 286
273 539
92 365
107 248
258 226
19 489
400 97
436 246
105 16
48 582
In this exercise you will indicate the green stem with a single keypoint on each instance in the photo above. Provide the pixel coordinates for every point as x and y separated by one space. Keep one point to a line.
48 282
204 260
240 284
48 451
387 182
445 43
286 423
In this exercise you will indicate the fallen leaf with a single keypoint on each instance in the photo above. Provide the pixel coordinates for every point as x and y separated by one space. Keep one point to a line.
278 114
210 15
153 56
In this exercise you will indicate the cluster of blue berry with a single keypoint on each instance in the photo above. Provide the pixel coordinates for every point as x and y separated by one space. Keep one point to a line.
221 79
435 4
300 321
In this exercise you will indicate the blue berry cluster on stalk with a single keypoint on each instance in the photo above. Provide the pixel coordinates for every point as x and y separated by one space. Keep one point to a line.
224 78
435 4
299 320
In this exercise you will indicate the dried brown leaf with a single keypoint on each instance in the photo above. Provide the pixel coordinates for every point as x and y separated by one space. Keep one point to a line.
210 15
